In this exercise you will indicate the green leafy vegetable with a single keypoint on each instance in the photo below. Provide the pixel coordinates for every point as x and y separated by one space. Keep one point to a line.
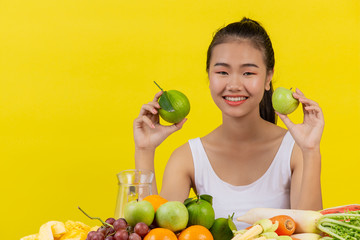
342 226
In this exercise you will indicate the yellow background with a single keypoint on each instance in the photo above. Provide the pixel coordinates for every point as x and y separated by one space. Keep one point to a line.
74 74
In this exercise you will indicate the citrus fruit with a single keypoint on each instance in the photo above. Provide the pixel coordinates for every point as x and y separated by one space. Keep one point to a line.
197 232
200 211
221 229
175 106
172 215
160 234
155 200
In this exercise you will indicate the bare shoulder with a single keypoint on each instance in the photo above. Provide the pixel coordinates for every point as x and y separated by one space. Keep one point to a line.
181 161
278 133
182 154
178 174
274 132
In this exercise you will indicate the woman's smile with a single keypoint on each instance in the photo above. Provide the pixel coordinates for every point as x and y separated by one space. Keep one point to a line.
234 100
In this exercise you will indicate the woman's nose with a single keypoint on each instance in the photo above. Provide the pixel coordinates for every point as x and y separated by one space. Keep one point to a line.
235 83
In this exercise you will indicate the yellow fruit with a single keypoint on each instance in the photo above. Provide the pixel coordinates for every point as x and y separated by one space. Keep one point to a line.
51 230
74 235
71 225
31 237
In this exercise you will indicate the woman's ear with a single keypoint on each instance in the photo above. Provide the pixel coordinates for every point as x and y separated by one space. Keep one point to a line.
269 76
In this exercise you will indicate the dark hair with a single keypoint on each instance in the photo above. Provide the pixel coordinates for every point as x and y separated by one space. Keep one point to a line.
250 30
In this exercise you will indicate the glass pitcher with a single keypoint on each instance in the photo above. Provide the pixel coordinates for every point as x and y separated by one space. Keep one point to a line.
134 184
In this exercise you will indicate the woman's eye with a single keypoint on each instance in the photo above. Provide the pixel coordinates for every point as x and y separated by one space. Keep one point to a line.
222 73
248 73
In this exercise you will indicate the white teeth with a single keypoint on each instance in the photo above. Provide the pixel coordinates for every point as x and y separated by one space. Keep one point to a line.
235 99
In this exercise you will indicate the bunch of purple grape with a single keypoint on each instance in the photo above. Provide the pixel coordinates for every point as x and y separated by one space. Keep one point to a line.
119 230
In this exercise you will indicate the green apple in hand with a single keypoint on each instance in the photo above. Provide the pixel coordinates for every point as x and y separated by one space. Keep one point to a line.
283 101
139 211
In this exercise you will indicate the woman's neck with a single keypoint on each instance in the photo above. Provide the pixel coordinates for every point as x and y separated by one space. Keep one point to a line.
244 129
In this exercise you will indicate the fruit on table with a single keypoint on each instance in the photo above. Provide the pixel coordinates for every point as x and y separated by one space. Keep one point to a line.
341 209
155 200
119 230
283 101
70 230
196 232
222 228
160 234
175 106
172 215
200 211
51 230
139 211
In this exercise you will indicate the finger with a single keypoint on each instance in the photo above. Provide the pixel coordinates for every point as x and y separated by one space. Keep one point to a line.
148 108
146 120
286 120
315 110
181 123
177 126
299 92
307 101
154 104
157 96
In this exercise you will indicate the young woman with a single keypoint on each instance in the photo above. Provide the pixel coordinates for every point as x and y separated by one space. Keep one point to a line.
248 161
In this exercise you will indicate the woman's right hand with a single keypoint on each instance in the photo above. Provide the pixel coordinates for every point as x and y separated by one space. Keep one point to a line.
148 132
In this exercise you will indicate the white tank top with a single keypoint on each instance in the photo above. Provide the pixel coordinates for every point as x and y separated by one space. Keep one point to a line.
271 190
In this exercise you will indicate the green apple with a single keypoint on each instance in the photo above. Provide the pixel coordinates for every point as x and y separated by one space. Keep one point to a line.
283 101
139 211
172 215
175 106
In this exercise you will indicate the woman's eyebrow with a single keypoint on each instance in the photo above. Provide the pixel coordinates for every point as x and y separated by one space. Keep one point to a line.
221 64
249 65
242 65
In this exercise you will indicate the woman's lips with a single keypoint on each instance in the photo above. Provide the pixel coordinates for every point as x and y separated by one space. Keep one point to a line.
235 100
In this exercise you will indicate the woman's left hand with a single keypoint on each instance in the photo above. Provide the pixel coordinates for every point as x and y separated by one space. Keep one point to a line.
307 134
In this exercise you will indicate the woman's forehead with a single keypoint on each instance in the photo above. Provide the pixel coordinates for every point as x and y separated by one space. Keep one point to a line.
237 52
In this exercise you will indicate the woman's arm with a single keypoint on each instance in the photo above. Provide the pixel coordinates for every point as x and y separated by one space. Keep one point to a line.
306 157
149 134
178 175
305 181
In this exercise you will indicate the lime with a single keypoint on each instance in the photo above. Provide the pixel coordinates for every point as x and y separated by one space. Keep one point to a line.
222 229
175 106
200 211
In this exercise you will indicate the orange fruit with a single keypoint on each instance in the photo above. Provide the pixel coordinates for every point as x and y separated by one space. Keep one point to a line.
160 234
196 232
155 200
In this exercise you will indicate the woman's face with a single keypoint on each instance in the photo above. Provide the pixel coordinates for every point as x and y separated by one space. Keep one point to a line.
238 77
